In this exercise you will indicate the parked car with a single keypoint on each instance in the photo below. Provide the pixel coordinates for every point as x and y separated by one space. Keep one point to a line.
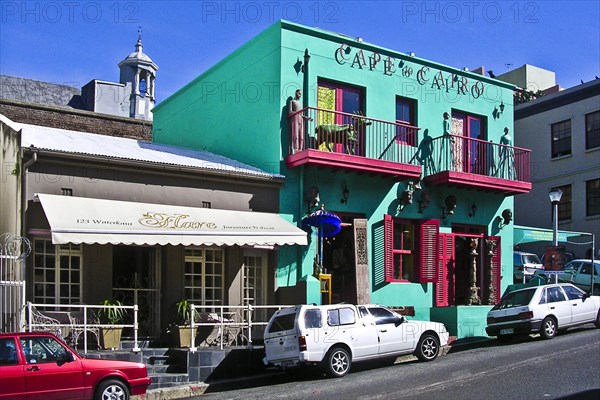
544 309
579 273
38 365
335 336
525 265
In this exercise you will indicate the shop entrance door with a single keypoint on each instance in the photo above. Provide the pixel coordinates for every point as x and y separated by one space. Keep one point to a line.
254 287
339 259
136 281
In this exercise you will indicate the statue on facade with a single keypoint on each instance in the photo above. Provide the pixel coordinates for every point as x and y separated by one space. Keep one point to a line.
297 118
473 289
491 246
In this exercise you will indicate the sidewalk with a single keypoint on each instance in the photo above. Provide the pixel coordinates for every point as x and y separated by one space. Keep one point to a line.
196 389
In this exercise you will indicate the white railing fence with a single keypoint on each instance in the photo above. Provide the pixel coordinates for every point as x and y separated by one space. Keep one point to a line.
13 252
71 322
229 325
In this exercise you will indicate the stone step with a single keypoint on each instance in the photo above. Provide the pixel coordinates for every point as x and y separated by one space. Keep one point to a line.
168 380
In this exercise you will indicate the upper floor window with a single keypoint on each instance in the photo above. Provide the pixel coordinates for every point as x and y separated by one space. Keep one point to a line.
592 130
592 197
561 138
405 115
565 204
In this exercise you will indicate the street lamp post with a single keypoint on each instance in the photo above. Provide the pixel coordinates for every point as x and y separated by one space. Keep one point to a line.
555 195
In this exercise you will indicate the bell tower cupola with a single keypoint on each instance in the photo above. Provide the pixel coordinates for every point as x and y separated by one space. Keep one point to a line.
138 73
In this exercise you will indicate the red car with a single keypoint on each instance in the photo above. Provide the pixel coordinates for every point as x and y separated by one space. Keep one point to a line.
39 366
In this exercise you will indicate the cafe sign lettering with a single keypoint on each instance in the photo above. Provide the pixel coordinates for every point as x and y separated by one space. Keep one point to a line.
173 221
424 75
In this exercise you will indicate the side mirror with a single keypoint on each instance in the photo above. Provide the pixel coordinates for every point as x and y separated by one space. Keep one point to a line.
67 357
399 321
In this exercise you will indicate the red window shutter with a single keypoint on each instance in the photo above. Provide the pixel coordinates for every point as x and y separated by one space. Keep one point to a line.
428 250
444 288
496 268
388 247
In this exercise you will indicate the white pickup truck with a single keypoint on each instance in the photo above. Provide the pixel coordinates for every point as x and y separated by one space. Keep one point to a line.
335 336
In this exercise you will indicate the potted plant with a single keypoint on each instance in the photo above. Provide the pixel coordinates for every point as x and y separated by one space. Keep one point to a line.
182 326
111 336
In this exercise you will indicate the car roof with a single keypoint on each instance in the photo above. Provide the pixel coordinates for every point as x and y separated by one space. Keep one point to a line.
543 286
589 260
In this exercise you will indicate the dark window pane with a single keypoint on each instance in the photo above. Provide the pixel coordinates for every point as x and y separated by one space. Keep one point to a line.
561 138
592 130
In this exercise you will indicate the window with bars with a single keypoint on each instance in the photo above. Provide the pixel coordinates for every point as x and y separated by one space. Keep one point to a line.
565 204
57 272
592 130
561 138
204 275
592 197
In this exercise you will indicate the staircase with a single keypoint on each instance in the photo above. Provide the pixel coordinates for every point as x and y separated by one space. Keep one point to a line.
168 367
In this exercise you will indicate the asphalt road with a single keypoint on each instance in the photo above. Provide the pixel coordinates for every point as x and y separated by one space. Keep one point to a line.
566 367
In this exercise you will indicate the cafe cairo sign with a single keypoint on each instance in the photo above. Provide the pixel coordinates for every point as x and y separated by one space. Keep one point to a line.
436 79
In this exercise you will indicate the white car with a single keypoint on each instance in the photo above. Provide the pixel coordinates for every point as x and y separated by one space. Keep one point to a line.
544 309
335 336
525 265
579 273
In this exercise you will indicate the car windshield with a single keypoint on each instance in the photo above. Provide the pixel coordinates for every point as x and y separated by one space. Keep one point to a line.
515 299
531 259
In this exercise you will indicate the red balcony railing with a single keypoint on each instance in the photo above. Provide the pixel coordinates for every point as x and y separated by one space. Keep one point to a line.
353 134
475 156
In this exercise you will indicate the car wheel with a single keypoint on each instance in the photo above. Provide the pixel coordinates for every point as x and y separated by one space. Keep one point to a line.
337 362
549 328
428 347
597 322
505 338
596 291
111 389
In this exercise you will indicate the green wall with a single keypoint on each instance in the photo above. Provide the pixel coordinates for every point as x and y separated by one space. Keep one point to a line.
256 131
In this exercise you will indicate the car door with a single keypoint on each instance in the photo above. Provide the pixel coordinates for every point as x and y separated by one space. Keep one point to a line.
365 340
47 375
583 308
395 335
583 277
12 382
569 272
557 305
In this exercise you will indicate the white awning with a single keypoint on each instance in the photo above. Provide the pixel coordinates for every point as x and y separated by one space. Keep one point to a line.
86 220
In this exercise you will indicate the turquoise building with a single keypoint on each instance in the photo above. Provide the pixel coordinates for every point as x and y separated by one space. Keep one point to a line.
415 157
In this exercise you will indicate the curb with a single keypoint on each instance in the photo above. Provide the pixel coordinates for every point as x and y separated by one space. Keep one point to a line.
199 388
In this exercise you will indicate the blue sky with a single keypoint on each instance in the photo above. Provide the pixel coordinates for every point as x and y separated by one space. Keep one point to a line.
74 41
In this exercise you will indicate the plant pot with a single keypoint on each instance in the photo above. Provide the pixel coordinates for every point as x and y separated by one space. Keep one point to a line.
111 338
182 336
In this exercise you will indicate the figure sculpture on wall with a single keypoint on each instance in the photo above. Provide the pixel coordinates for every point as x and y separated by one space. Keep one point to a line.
473 289
506 159
297 122
491 246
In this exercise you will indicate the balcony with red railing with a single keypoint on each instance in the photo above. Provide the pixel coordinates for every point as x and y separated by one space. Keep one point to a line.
331 139
467 162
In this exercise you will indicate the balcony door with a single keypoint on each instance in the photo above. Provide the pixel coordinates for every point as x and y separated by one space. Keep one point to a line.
469 153
338 104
